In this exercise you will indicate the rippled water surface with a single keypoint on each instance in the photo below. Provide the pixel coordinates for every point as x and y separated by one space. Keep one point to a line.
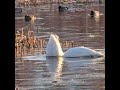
37 72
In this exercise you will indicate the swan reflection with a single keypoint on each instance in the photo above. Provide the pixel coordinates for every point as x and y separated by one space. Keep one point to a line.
55 66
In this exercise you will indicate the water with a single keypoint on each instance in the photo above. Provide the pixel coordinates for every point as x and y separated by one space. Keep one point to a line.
40 73
33 73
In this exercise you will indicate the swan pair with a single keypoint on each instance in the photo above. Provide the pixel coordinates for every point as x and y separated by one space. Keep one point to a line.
54 49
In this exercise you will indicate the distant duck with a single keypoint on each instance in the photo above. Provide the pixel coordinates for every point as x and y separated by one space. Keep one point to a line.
95 14
18 10
61 9
54 49
92 13
27 18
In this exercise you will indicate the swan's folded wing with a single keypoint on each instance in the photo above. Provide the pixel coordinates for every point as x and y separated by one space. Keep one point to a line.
81 52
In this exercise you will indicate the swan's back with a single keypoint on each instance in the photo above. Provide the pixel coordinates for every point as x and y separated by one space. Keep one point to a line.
53 47
81 52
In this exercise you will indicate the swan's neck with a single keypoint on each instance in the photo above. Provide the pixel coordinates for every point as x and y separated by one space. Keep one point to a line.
53 47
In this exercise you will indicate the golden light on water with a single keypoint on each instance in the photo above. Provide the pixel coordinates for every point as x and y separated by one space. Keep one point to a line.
59 68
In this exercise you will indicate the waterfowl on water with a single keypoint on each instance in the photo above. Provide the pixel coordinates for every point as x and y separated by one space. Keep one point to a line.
54 49
61 9
94 13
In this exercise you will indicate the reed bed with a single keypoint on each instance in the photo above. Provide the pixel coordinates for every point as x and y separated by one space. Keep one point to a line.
30 44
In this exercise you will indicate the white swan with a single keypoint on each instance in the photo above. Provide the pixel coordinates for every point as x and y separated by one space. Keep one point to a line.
54 49
81 52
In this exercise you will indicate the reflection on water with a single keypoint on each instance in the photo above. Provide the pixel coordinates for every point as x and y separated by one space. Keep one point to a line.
55 66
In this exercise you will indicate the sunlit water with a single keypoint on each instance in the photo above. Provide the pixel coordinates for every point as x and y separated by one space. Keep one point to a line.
40 73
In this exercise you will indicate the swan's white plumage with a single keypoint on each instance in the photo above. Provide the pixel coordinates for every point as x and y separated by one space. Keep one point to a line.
54 49
80 52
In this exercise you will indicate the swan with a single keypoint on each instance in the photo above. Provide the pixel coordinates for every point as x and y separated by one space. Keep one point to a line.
53 48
